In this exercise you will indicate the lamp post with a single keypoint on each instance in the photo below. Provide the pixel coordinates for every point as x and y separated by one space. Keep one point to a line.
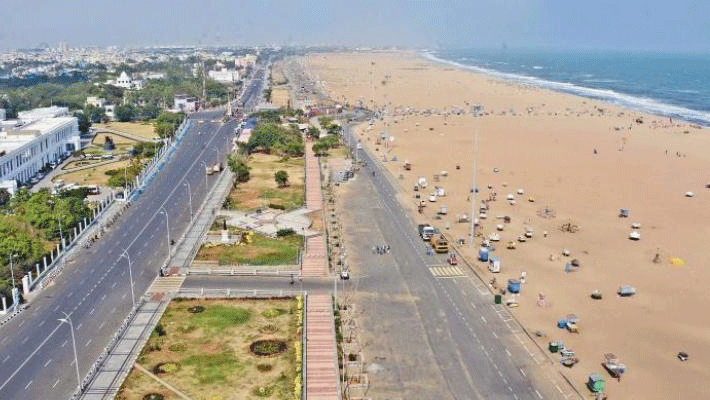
12 269
205 165
67 320
189 192
130 275
167 233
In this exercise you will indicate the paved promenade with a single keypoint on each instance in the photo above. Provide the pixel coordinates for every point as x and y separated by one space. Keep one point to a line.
315 256
322 375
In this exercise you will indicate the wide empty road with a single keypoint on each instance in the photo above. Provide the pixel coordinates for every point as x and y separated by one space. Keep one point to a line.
458 345
36 356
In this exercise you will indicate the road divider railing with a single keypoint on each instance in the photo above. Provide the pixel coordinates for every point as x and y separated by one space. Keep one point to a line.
208 293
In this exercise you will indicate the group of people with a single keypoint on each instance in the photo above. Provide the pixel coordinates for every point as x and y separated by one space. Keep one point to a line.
384 249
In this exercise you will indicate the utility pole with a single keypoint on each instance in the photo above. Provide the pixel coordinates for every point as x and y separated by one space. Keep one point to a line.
67 320
473 185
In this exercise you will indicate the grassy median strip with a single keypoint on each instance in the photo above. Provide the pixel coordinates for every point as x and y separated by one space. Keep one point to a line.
222 350
262 191
256 249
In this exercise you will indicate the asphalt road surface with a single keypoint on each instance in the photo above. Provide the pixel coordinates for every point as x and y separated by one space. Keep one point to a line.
36 356
453 329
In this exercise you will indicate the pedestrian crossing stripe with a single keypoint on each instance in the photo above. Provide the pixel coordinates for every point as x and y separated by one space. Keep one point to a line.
166 284
446 271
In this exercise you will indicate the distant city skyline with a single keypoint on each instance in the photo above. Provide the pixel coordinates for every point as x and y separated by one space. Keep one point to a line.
652 25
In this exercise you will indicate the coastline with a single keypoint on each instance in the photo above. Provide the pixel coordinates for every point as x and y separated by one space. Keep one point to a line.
582 158
644 105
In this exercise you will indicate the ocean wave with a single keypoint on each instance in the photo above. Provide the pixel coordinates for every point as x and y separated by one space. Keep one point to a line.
600 80
537 67
643 104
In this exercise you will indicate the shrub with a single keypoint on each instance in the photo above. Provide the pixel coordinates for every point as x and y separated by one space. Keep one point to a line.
277 206
285 232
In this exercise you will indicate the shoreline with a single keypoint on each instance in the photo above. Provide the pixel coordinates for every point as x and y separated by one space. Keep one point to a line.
608 96
564 151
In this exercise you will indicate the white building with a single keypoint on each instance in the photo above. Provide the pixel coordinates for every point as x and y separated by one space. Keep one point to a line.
3 114
125 81
99 102
224 75
37 114
184 103
108 110
29 146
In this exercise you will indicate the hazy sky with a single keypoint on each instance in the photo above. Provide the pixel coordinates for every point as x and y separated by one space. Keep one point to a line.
678 25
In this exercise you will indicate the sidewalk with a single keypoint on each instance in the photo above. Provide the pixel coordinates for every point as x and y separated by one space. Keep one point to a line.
315 256
113 367
322 373
188 246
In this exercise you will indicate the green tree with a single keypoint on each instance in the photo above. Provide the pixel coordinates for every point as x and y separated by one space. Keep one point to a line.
281 178
95 114
320 148
4 197
313 132
239 167
83 122
124 112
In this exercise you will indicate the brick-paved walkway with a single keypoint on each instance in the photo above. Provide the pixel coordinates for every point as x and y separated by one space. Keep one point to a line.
315 257
322 375
314 196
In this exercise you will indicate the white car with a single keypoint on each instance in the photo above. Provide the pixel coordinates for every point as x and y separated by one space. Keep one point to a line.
432 198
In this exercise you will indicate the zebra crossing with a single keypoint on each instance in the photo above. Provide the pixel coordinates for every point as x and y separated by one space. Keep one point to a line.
166 284
445 271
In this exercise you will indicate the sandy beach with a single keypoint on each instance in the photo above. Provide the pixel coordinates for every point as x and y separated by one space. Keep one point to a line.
581 161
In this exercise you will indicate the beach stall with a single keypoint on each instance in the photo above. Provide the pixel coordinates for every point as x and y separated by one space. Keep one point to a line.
483 253
595 383
494 264
514 285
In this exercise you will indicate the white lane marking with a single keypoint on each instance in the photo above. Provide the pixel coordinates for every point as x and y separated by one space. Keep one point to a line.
28 384
92 311
55 383
64 344
21 322
558 388
47 363
87 343
483 319
523 372
41 323
495 335
538 393
5 359
508 353
78 326
25 339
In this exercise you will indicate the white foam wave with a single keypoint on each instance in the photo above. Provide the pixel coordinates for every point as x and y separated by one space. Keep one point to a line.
643 104
537 67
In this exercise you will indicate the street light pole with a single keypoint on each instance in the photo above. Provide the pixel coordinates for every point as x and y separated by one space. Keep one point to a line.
167 233
189 192
67 320
12 269
205 165
130 275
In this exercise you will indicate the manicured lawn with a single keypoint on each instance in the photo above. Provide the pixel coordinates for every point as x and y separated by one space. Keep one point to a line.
91 176
142 129
261 250
207 355
262 190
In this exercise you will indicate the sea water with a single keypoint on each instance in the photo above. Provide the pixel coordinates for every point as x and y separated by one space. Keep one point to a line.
671 85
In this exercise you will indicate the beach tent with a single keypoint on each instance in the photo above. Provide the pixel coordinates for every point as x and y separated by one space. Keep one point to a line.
677 261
